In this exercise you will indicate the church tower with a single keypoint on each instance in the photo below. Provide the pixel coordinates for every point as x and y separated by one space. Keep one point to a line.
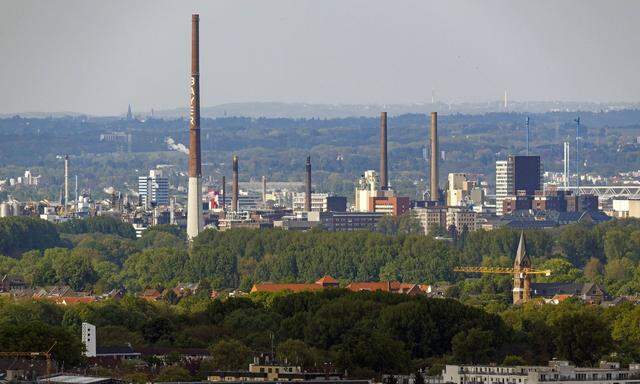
521 280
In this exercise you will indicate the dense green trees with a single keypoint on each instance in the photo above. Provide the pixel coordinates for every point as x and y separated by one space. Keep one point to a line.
20 234
103 259
101 224
363 333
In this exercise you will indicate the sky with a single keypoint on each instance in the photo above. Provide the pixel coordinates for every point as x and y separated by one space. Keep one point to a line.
96 57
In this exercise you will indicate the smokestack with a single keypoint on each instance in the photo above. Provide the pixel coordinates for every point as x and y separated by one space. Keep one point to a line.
234 185
66 182
435 194
264 189
224 193
194 200
384 181
307 192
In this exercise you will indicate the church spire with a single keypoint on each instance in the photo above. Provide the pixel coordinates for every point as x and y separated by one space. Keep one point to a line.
522 259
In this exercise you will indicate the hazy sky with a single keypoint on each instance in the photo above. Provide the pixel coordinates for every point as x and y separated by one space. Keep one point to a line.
98 56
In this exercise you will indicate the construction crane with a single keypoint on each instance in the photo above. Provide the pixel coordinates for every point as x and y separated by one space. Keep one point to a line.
507 271
33 355
521 272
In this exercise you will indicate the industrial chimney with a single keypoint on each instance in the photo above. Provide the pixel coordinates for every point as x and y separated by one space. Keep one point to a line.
194 200
435 194
224 193
234 185
307 191
66 183
264 189
384 182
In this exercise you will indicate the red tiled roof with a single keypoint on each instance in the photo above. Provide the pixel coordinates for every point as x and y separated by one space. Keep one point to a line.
327 280
271 287
370 286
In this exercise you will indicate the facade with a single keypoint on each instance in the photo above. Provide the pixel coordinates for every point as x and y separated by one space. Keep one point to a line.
350 221
320 202
558 372
393 205
154 189
627 208
431 218
460 218
504 184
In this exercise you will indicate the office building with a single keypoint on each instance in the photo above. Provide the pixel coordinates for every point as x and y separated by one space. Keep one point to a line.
517 176
153 189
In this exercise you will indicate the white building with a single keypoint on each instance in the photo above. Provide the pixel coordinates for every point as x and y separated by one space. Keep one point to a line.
318 201
558 372
89 339
154 189
504 183
626 208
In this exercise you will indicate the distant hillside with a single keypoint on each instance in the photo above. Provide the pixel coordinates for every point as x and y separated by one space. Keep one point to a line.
327 111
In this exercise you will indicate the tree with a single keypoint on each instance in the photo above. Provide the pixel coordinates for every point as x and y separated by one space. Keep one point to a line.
296 352
473 346
173 373
581 336
230 355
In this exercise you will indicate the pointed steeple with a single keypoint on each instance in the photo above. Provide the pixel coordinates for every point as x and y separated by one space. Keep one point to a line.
129 114
522 259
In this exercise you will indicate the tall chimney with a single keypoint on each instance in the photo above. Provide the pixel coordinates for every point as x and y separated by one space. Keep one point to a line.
224 193
234 185
307 191
435 194
384 181
264 189
194 199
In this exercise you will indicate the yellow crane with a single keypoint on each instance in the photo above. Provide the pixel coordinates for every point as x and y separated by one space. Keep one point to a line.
521 272
504 270
33 355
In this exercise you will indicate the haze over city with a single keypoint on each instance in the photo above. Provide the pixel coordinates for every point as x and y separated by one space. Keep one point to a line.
97 57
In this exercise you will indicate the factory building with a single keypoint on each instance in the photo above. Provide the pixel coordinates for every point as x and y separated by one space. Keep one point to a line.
153 189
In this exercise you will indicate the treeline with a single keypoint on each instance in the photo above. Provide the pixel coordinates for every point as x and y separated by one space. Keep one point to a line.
102 253
365 334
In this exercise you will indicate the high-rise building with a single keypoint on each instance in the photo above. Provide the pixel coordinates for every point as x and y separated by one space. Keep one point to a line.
518 175
154 189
